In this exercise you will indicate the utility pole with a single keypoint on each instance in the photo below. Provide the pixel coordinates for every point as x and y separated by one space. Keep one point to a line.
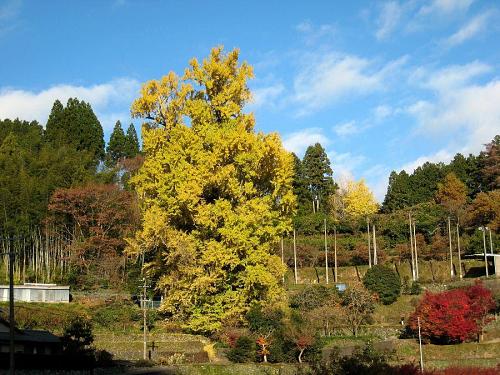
451 250
12 322
375 261
420 347
283 258
369 250
326 256
295 256
335 251
144 315
483 229
491 243
411 249
459 255
416 253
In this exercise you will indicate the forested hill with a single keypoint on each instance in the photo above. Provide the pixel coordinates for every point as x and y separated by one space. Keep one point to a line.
69 151
479 173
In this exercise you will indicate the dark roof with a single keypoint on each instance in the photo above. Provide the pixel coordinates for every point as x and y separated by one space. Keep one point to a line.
29 335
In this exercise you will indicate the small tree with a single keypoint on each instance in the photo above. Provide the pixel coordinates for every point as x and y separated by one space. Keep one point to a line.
383 281
453 316
263 342
243 350
358 307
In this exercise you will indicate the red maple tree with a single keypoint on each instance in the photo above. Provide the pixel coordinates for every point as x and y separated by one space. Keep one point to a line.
453 316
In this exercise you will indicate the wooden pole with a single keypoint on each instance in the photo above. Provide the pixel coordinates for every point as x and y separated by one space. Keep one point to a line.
326 256
144 331
420 347
12 322
451 250
416 253
369 250
282 257
459 255
485 258
411 250
335 252
491 243
295 256
375 261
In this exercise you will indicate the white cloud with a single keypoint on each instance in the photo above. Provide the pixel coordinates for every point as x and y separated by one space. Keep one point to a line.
9 10
266 95
445 7
344 164
390 16
104 98
345 129
312 34
463 114
381 112
298 142
330 77
469 30
441 156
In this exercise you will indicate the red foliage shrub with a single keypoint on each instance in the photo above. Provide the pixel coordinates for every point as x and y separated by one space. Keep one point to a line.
453 316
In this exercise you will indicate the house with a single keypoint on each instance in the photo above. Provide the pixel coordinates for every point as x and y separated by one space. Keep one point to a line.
30 345
34 292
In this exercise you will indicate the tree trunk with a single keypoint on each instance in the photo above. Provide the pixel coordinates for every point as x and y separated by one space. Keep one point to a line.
300 355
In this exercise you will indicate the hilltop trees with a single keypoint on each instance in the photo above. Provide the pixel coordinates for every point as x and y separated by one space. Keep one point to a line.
77 126
317 176
217 195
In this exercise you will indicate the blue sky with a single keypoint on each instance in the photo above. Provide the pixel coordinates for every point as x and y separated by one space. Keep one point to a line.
382 85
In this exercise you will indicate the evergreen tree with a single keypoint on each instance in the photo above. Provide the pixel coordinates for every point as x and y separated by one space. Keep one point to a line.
398 192
118 145
132 142
318 176
300 187
76 125
491 165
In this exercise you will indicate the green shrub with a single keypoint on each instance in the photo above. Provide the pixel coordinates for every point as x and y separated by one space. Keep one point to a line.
243 351
415 289
311 297
383 281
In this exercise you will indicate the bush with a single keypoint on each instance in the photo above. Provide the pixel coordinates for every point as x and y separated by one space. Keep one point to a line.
383 281
311 297
243 351
415 289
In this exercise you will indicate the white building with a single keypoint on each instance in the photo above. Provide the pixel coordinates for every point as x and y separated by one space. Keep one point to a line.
49 293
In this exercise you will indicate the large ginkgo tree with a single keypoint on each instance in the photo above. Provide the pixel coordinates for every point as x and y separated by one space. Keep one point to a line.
216 195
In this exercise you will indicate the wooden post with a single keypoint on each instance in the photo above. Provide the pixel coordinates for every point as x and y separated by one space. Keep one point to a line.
375 262
459 255
326 256
484 244
282 257
451 250
416 253
335 252
369 250
491 243
420 347
411 250
295 256
12 323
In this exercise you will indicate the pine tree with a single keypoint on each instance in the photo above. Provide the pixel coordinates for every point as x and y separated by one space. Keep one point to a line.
76 125
117 146
132 142
318 176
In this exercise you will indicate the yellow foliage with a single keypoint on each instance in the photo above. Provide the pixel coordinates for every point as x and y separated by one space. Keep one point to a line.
216 196
359 200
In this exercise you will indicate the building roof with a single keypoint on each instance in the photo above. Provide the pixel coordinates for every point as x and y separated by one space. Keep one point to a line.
38 286
28 335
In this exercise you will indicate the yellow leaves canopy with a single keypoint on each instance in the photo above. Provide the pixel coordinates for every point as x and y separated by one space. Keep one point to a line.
359 200
216 195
